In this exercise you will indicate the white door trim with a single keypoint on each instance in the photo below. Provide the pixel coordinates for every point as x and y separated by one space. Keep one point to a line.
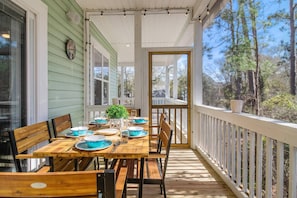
37 60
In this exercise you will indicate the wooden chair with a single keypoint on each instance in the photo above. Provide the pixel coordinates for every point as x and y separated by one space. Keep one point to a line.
60 184
154 138
23 142
25 138
60 124
156 164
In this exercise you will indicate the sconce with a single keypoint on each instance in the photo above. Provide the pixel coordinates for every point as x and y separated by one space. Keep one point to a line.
73 17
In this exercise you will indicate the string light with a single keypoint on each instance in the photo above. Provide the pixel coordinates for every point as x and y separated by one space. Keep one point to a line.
207 11
145 11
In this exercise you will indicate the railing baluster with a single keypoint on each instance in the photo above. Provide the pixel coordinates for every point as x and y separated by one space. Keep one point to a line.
268 169
252 164
245 160
238 158
280 169
233 149
259 165
293 172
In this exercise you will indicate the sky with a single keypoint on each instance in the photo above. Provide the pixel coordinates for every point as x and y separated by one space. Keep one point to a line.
272 37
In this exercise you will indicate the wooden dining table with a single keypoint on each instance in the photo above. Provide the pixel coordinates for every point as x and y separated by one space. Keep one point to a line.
135 148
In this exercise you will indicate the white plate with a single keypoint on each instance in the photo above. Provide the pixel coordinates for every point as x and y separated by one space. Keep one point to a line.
107 131
82 145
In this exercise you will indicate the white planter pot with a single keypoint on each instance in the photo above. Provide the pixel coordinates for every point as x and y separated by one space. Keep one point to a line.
236 106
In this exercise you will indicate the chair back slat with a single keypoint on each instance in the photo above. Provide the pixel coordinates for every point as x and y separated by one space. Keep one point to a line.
58 184
28 136
165 134
61 123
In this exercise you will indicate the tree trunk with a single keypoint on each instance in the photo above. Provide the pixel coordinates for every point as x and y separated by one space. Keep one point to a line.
292 49
256 51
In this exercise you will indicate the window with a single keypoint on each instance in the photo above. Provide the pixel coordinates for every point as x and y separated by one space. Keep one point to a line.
126 87
100 77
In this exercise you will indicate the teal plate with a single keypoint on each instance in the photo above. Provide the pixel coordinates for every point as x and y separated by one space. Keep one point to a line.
142 122
101 122
82 145
70 134
140 134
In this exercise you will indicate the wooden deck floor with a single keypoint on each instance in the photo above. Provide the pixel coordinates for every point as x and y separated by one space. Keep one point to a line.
189 176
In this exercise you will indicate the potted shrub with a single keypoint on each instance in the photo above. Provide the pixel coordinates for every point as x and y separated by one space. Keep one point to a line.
117 112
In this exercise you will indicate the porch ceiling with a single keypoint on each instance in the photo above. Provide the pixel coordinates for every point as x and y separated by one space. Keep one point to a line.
159 29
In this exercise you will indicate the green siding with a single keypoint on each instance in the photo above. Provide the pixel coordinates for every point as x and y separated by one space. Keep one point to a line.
66 77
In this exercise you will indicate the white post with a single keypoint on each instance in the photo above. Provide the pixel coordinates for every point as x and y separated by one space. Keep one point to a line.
196 77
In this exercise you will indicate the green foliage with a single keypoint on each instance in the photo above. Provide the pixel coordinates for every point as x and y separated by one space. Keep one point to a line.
282 107
117 111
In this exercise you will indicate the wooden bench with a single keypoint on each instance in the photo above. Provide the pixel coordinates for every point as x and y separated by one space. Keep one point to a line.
61 184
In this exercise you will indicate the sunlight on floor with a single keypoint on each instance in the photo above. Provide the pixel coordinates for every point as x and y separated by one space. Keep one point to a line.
188 175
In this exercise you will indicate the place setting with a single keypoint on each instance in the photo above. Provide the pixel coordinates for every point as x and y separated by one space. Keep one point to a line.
79 131
139 120
93 143
135 132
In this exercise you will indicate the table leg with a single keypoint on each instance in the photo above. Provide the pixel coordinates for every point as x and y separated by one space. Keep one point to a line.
51 163
141 178
76 165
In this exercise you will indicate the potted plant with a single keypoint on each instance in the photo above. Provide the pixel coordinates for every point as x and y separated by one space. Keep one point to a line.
117 112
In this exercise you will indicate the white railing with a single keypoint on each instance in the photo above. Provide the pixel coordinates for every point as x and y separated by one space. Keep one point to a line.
255 156
92 111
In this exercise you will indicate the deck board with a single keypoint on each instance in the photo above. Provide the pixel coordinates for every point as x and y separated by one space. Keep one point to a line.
189 176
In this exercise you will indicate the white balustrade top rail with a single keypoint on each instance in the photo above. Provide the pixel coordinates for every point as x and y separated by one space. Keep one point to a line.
256 156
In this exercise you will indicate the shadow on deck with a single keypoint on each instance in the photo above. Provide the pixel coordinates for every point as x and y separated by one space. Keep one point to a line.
188 175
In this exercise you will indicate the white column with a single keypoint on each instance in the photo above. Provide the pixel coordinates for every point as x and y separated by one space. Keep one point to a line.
197 64
196 80
175 81
141 71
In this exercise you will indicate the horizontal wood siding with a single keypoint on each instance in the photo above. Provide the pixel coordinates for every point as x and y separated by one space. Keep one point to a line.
66 77
113 60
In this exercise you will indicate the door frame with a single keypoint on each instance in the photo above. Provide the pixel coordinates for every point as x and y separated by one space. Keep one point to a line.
173 51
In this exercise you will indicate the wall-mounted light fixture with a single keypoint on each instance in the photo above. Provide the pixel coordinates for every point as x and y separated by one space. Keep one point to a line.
73 17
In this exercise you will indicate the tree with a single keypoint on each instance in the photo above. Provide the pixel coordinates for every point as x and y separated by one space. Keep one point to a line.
292 48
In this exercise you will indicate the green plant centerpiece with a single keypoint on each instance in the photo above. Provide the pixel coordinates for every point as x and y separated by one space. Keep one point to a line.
117 112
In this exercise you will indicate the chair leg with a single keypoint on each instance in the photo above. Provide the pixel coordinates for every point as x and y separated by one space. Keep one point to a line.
164 189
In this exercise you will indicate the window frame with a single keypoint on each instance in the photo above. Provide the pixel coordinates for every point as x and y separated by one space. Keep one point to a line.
105 55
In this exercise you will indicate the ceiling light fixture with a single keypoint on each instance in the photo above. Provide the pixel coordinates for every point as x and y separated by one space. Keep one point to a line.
187 12
207 11
124 13
200 20
144 14
168 12
101 13
5 35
